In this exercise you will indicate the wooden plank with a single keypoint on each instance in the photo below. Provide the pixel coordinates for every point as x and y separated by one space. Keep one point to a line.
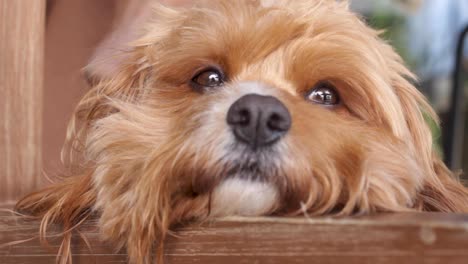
381 239
21 77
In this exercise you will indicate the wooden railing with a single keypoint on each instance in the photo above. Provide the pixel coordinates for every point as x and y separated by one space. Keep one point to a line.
387 238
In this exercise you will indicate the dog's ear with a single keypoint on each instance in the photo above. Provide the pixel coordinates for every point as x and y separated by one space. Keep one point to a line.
442 190
69 202
121 76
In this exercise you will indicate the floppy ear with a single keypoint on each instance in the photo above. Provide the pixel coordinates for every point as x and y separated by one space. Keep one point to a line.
122 74
441 189
71 201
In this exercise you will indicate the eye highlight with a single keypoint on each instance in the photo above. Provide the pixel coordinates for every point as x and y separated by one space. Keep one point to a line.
208 78
324 93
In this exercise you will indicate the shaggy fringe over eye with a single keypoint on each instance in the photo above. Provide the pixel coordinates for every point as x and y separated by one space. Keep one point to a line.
131 164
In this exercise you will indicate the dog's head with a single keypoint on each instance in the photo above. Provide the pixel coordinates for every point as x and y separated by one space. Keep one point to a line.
257 107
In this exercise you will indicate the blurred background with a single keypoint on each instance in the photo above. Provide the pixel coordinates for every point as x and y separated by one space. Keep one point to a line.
424 32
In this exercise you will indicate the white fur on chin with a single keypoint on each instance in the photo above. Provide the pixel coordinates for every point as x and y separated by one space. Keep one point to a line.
242 197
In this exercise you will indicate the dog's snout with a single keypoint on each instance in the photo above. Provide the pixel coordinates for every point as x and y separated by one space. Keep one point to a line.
259 120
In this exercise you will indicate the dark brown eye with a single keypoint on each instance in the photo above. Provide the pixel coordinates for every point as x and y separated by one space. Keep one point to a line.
324 94
208 78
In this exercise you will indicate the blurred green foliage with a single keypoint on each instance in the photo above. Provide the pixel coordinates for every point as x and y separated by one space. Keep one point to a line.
394 30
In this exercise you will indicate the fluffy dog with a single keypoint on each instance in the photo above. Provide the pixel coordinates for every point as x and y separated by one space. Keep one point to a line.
249 107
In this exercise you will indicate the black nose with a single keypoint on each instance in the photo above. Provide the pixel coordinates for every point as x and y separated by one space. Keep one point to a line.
258 120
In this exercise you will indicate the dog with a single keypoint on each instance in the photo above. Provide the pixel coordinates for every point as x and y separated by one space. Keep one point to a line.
250 108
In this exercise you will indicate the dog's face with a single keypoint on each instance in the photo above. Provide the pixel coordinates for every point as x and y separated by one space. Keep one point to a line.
257 107
253 108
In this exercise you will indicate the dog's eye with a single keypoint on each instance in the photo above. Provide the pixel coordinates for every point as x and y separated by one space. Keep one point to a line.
325 94
208 78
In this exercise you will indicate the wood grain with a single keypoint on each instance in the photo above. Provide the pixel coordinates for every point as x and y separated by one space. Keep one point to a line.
21 77
391 238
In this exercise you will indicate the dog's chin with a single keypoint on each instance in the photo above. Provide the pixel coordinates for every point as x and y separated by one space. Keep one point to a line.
243 196
246 186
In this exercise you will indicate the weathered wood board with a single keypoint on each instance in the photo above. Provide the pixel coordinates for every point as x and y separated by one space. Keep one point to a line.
389 238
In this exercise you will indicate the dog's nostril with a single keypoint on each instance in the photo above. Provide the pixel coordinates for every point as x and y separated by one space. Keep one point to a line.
258 120
244 117
278 123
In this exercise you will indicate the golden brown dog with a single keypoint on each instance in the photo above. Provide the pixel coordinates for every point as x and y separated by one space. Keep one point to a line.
249 107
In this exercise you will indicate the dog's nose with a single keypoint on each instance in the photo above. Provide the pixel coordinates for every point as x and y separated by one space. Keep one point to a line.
258 120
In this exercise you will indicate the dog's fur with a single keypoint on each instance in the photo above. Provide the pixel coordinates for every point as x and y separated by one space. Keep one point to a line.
149 152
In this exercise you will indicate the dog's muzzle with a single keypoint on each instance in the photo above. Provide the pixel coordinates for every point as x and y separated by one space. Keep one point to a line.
258 121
